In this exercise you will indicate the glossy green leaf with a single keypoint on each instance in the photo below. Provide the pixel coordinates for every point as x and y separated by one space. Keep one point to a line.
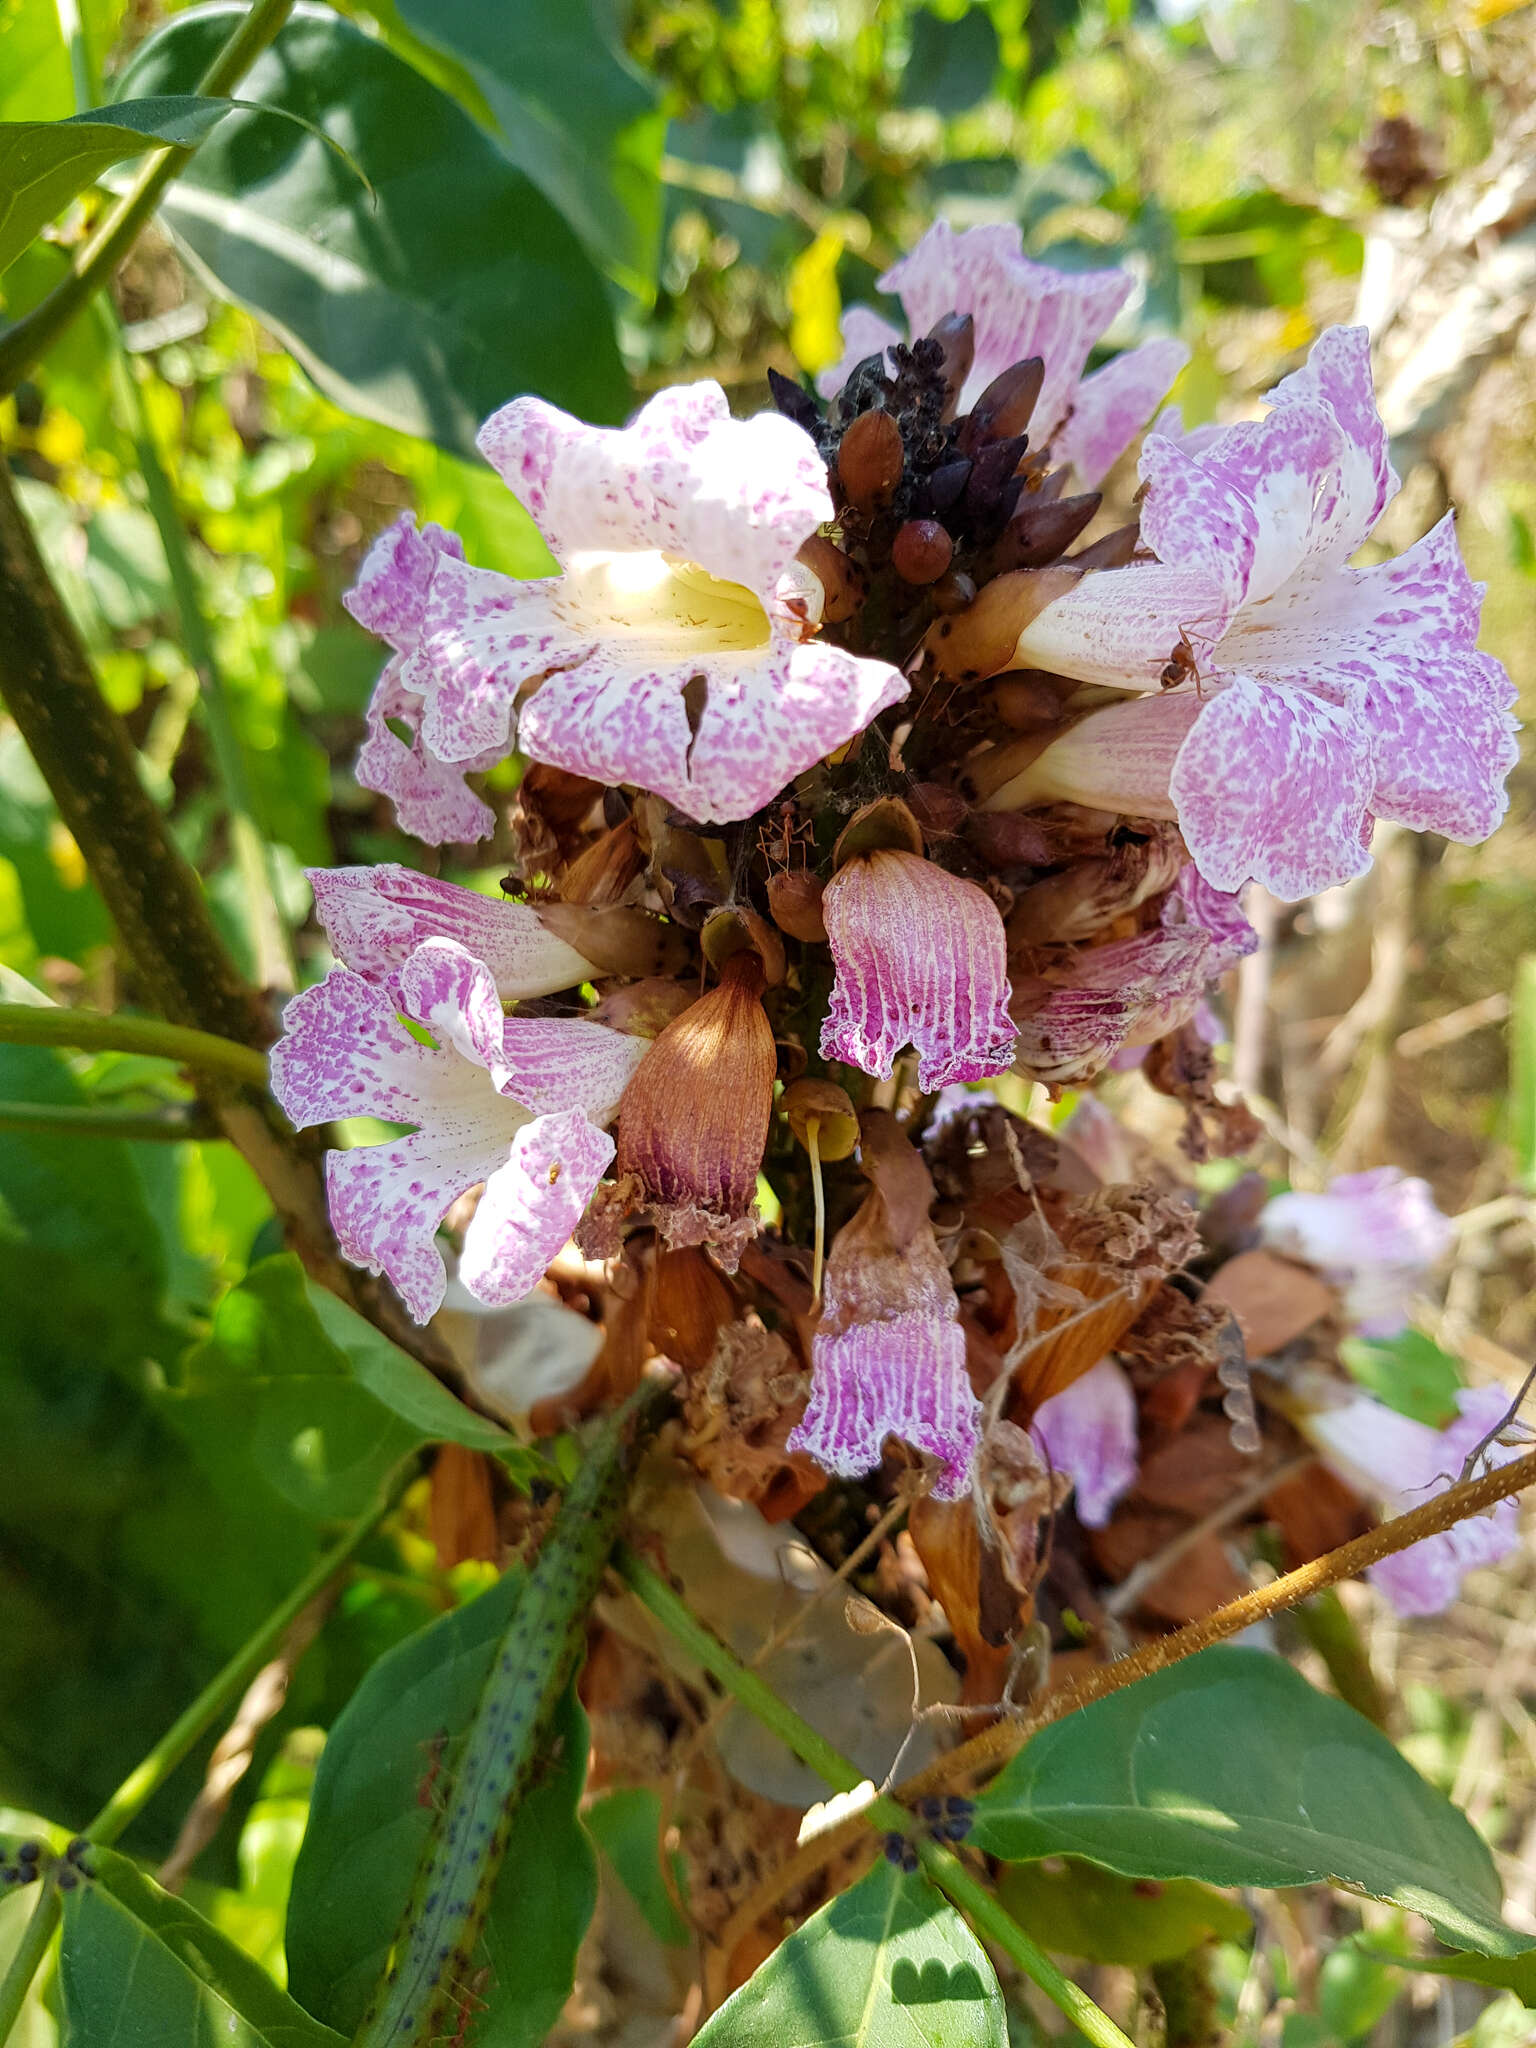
46 164
426 306
953 60
570 110
888 1964
293 1382
1080 1909
139 1967
1229 1767
1409 1372
627 1825
370 1815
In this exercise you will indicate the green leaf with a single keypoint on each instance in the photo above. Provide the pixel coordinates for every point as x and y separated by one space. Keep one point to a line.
1501 1973
1408 1372
139 1966
626 1825
953 60
291 1381
425 307
888 1964
570 110
370 1816
1355 1990
1079 1909
46 164
1229 1767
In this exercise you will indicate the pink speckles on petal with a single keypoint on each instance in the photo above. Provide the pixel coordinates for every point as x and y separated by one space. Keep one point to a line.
484 636
532 1204
344 1052
1273 786
376 917
431 798
1195 521
1089 1432
386 1202
1338 373
903 1377
569 1063
390 593
453 994
921 960
1112 405
1285 467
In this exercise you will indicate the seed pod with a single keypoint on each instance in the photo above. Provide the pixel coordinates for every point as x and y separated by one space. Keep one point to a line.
1039 531
794 903
870 460
921 551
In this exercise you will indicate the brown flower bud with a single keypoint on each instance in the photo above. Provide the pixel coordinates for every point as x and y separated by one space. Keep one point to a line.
1113 551
694 1120
956 336
619 940
1039 530
737 928
1004 409
982 641
600 875
953 593
921 551
1030 700
1009 839
829 1108
644 1009
690 1305
870 459
844 585
794 901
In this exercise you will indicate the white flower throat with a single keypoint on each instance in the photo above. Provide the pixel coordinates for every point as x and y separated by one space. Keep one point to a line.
661 600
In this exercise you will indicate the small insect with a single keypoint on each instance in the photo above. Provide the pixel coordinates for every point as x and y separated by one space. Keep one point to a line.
426 1792
1181 666
471 2004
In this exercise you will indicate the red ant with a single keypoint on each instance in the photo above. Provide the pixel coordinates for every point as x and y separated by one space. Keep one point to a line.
470 2003
426 1791
1182 667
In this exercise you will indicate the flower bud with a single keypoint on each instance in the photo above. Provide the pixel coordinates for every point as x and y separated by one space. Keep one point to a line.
843 584
794 902
921 551
1114 551
1039 531
982 641
601 874
870 459
618 940
694 1120
1005 408
956 336
690 1305
1120 759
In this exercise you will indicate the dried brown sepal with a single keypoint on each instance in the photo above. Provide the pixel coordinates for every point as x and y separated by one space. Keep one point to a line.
794 903
549 815
738 928
600 875
1082 900
619 940
739 1413
870 459
983 640
642 1009
836 1119
844 584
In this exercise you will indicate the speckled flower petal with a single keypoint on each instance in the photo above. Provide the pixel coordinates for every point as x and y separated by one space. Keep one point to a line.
390 593
738 497
921 960
532 1204
1112 405
1121 627
443 986
484 637
375 917
865 333
1088 1431
555 1063
1377 1234
344 1052
1337 373
903 1377
1273 786
1129 992
431 798
1020 308
767 715
1193 904
1193 440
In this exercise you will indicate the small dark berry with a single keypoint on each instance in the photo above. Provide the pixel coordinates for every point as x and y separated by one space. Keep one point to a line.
921 551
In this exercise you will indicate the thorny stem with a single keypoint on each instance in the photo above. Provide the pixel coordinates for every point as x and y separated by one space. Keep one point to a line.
995 1745
115 234
136 1790
943 1867
91 1031
271 943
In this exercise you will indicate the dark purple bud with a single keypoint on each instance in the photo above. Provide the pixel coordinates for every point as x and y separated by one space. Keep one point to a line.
990 470
947 485
1037 533
1004 408
1114 551
794 401
956 336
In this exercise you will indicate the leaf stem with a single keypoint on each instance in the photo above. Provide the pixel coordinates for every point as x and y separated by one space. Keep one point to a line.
99 255
271 942
177 1121
91 1031
136 1790
943 1867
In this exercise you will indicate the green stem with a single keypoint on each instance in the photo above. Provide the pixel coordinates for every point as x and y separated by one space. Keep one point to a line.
90 1031
90 1120
271 943
136 1790
944 1868
115 234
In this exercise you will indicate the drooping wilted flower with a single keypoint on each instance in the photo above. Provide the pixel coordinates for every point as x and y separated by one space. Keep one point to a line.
1377 1235
678 648
1021 309
1089 1432
889 1352
1401 1464
514 1102
431 798
1311 697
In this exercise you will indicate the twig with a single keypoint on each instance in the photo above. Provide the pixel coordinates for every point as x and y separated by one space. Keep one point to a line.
91 1031
1455 1024
115 234
1128 1593
172 1125
1474 1457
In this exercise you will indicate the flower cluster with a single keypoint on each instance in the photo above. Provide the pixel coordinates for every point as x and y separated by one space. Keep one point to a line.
856 769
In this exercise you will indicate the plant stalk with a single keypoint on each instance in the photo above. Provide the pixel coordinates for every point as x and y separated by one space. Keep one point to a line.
943 1867
92 1031
136 1790
171 1125
97 258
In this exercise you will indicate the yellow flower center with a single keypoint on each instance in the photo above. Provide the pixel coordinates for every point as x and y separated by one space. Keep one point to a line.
663 601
